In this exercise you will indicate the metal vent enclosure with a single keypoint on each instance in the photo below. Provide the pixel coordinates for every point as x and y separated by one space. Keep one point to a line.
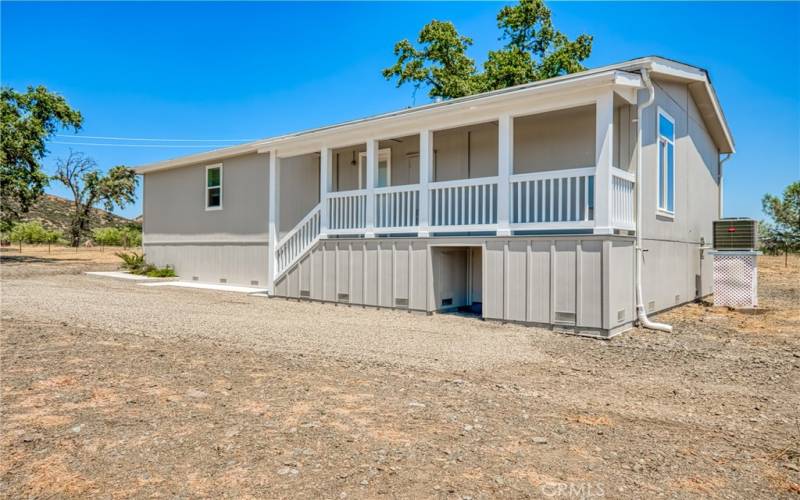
735 234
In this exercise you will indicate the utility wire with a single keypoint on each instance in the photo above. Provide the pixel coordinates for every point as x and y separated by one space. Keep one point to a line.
149 139
118 145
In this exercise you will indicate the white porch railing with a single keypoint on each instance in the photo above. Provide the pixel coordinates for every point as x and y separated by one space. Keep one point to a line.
554 199
463 205
397 208
347 211
622 191
297 241
561 199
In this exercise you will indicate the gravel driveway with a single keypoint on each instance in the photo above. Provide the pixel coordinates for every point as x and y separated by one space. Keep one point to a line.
110 388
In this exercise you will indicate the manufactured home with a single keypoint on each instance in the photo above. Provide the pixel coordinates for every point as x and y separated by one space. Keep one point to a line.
582 203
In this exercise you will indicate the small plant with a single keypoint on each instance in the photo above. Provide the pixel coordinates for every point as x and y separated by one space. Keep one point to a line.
135 263
163 272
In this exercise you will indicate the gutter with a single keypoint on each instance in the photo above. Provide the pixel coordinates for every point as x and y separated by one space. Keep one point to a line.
641 314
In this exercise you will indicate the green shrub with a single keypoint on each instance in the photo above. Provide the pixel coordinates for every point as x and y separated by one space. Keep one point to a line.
164 272
135 263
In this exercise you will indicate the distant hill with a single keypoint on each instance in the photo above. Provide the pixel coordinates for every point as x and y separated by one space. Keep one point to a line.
54 213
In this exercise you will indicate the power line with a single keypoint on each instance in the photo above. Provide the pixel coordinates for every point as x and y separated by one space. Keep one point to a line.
118 145
149 139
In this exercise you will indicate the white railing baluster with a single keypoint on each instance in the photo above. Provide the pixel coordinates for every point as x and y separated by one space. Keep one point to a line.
623 187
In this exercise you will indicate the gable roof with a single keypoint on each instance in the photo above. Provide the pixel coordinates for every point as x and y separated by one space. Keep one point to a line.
698 81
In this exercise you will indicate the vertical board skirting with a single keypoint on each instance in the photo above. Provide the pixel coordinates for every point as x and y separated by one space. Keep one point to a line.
529 285
605 303
336 273
364 267
579 283
523 279
429 279
378 273
552 280
350 272
506 271
322 270
410 274
393 298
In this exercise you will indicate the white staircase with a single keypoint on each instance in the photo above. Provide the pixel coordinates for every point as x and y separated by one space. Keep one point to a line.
297 242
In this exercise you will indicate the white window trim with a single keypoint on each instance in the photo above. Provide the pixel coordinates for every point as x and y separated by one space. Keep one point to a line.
206 187
664 212
384 154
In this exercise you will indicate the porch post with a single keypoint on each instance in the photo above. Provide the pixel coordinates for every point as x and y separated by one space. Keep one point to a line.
425 171
604 157
372 168
325 177
273 220
505 165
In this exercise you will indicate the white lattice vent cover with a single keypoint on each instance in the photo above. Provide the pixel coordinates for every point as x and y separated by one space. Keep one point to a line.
735 280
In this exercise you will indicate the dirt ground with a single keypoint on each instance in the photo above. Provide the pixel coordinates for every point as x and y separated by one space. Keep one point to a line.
111 389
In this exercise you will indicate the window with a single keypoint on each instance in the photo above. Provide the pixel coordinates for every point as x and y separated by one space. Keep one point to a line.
384 168
214 187
666 163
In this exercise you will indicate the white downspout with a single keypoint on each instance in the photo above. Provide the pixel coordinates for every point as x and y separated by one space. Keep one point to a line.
721 162
640 310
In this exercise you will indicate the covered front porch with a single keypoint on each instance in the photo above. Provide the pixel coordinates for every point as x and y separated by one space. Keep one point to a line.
556 167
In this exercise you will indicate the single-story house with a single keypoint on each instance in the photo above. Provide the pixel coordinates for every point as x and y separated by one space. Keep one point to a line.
582 202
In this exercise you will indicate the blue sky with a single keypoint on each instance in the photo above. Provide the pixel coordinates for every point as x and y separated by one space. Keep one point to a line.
252 70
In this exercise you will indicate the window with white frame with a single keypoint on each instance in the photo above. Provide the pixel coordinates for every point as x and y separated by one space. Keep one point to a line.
214 187
666 163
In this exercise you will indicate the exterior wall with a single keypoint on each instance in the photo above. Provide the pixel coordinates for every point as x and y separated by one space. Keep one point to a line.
174 203
556 140
465 152
561 281
236 264
625 137
345 174
298 181
673 271
404 161
228 244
